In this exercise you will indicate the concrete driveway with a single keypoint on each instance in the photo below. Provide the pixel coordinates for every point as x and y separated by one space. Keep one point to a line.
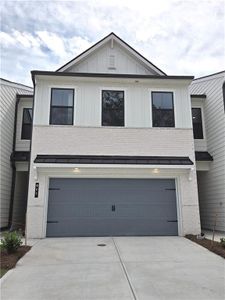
126 268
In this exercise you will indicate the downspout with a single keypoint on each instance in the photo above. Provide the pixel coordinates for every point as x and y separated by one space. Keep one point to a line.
34 85
13 165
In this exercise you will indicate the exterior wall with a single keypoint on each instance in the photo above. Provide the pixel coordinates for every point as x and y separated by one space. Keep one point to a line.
137 101
211 183
99 62
114 141
22 145
20 197
7 113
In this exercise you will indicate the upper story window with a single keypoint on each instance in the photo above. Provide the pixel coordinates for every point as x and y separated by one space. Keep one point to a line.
62 106
162 109
27 124
112 108
197 123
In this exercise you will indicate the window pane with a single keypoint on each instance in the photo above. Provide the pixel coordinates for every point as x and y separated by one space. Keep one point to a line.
197 123
62 97
162 109
61 115
163 100
27 115
26 132
27 124
112 108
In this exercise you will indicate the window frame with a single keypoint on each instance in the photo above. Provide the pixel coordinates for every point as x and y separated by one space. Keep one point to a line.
173 103
114 89
202 119
60 106
21 136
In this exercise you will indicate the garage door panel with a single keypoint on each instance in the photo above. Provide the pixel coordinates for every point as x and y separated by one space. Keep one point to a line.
95 207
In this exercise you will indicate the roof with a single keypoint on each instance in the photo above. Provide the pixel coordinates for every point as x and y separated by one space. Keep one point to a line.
108 159
20 156
16 83
203 156
25 95
112 35
198 95
108 75
210 75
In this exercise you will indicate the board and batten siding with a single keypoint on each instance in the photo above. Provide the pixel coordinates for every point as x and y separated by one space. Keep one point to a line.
111 60
7 113
212 183
87 104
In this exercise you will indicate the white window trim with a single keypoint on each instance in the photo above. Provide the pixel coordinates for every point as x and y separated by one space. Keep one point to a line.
201 106
71 87
174 104
125 105
26 143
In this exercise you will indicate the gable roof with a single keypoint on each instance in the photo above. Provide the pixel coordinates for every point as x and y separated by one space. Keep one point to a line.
112 36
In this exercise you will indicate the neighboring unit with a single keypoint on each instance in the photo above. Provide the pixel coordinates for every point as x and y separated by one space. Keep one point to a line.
14 97
208 109
112 149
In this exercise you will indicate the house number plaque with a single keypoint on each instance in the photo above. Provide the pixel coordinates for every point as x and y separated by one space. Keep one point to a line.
36 190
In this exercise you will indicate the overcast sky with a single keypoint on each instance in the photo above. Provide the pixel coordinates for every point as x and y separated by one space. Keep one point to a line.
180 37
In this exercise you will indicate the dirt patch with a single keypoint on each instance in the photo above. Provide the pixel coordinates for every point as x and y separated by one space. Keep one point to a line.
8 261
214 247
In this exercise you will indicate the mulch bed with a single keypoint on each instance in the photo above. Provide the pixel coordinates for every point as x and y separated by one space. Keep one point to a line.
8 261
215 247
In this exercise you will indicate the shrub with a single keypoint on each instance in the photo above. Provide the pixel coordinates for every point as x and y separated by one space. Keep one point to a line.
11 241
222 242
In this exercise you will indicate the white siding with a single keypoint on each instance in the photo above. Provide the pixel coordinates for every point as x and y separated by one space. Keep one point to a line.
212 182
99 62
7 113
137 101
22 145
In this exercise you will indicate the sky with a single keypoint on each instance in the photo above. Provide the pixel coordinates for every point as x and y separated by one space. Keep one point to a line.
181 37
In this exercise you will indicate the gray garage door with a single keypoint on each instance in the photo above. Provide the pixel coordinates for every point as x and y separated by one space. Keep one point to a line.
111 207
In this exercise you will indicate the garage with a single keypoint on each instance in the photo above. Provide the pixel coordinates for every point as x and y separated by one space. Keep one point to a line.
111 207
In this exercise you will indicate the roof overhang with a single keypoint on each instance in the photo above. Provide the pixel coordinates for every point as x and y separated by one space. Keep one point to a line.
203 156
113 160
43 74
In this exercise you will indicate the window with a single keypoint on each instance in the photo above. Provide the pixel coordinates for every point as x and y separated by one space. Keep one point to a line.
162 109
197 123
27 124
112 108
62 102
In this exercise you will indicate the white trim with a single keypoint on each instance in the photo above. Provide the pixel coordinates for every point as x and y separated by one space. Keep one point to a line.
201 106
119 176
111 166
110 88
203 165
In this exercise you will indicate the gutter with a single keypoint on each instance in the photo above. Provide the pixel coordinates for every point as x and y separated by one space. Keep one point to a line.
108 75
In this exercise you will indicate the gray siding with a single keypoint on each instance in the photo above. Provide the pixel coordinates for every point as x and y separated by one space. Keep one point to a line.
7 112
212 183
